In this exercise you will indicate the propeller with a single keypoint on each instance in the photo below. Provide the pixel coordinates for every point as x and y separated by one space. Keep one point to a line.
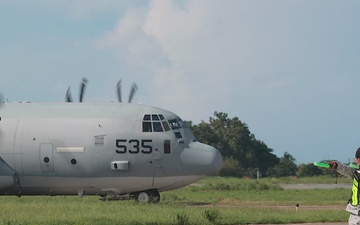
132 91
83 84
118 90
82 89
68 97
2 100
2 103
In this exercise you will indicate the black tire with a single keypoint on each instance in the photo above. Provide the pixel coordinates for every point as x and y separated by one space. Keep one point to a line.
143 197
154 196
148 196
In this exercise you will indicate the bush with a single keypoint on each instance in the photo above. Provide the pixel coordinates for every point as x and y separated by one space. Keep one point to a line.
212 215
232 168
181 218
309 170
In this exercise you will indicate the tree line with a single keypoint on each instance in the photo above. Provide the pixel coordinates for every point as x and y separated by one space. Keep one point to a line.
243 154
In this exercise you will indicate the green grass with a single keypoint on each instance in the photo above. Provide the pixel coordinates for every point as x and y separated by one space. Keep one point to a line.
312 180
277 181
235 201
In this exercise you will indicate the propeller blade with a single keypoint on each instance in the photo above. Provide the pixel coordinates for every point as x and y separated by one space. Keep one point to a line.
132 92
118 90
2 100
68 97
82 89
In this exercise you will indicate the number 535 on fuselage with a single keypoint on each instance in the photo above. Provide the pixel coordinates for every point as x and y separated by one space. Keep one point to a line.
98 148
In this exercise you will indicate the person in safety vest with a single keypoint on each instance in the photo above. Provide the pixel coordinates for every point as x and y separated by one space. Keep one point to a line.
353 206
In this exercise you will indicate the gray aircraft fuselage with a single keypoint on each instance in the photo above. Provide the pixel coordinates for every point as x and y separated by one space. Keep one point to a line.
97 148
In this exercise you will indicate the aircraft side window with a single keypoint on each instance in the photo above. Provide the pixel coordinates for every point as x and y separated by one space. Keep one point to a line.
167 148
147 117
147 127
157 127
178 135
161 117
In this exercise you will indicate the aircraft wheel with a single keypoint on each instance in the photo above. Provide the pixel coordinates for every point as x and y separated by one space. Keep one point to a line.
154 196
149 196
143 197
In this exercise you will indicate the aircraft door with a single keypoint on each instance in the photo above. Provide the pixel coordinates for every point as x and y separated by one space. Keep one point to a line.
166 165
47 158
158 156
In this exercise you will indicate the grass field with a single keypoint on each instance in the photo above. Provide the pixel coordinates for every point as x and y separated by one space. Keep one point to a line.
212 201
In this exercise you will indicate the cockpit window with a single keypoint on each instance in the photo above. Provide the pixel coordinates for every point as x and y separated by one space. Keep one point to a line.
182 123
155 117
155 123
157 127
165 125
147 127
176 124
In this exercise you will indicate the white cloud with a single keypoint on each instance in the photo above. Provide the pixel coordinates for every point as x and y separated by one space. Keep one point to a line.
185 49
243 52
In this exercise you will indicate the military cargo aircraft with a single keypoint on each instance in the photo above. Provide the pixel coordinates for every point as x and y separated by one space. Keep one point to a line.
105 149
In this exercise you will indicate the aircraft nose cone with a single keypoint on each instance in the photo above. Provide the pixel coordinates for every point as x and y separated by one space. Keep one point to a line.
202 158
218 161
213 159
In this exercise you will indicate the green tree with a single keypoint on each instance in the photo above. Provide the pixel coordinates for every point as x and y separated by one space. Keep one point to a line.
286 167
309 170
232 168
235 141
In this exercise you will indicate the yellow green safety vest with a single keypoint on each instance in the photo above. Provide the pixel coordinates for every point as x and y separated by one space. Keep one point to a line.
354 200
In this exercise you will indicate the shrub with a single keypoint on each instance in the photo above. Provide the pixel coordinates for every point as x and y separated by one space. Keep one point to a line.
232 167
181 218
212 215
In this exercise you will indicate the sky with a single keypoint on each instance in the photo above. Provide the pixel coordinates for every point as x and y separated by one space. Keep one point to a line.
288 69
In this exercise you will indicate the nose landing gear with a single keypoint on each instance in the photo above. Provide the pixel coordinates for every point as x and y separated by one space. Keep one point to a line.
148 196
